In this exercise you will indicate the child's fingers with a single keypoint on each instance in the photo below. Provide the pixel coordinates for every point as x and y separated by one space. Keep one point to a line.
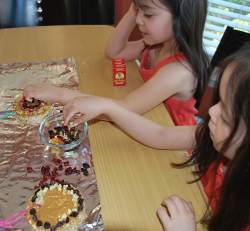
28 98
186 206
164 217
67 117
80 119
29 93
68 112
169 203
179 202
183 205
176 205
163 214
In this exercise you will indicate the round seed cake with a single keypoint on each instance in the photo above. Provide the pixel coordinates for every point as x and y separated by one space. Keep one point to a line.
56 206
31 111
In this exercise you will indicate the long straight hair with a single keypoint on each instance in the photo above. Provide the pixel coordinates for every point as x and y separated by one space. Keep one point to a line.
189 17
233 207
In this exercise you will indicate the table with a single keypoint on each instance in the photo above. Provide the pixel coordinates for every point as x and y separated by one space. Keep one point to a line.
132 178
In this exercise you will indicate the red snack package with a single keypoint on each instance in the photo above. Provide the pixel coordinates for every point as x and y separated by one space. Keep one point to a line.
119 72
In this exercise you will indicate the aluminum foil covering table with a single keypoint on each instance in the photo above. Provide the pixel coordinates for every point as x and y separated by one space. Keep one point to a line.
21 153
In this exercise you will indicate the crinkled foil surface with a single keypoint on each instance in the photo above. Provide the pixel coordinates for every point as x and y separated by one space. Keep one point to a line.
21 149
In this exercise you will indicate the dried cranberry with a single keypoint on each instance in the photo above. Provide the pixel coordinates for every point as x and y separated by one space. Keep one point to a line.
60 167
43 181
57 161
45 170
54 173
61 138
24 104
29 169
68 171
66 163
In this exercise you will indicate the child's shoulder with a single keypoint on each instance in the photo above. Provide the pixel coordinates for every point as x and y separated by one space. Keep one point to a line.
179 68
179 76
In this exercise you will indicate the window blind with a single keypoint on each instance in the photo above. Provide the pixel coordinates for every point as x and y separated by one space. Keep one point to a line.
223 13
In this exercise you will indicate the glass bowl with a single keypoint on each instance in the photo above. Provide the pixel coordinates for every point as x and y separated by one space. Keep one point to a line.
51 123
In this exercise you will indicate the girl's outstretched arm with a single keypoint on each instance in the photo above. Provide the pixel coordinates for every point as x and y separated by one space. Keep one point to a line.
167 82
50 93
118 45
138 127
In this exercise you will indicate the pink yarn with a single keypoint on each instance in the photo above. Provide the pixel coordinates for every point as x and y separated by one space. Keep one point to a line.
14 221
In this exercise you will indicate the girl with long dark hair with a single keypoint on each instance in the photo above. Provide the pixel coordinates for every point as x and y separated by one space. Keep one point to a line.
221 153
173 62
222 156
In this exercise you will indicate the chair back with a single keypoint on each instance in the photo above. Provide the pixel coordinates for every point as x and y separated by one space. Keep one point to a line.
231 41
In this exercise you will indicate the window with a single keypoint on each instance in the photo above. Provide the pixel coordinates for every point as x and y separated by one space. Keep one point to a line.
223 13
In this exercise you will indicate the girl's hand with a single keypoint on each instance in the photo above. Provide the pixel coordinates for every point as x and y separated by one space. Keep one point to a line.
89 106
177 215
42 91
50 93
132 11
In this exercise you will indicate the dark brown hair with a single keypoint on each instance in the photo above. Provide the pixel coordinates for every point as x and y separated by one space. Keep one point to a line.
233 208
189 18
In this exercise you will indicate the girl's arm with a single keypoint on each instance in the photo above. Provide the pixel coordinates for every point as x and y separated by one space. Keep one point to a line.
168 81
50 93
118 45
138 127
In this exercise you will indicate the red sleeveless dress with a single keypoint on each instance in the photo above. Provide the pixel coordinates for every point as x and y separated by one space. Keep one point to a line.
181 111
212 185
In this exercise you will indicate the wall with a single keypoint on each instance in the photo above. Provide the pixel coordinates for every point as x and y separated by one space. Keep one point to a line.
16 13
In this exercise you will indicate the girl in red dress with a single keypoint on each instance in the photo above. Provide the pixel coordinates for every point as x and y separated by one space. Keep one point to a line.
221 148
173 62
